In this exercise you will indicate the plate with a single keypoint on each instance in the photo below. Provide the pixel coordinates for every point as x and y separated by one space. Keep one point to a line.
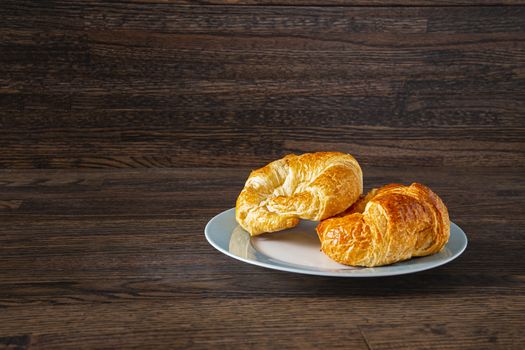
298 250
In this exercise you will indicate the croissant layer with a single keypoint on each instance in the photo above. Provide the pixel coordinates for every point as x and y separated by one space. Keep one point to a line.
311 186
391 224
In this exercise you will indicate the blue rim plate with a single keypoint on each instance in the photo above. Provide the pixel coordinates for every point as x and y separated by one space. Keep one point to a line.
297 250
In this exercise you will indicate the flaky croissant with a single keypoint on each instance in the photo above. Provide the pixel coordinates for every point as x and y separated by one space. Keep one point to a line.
390 224
311 186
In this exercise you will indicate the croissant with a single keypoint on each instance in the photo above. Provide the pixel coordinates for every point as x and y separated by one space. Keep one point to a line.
311 186
390 224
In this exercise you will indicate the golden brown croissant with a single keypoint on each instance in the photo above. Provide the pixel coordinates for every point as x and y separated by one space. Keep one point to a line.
390 224
311 186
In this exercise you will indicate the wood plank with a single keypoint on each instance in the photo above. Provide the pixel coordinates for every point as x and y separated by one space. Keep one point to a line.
433 3
325 3
102 216
437 335
134 85
287 319
171 104
129 139
86 245
55 193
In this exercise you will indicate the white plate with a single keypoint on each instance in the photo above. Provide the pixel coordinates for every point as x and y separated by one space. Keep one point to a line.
298 250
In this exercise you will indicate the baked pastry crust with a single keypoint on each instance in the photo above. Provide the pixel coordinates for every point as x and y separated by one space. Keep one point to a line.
391 224
310 186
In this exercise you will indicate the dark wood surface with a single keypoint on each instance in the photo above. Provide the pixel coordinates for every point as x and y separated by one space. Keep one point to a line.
111 258
124 127
111 85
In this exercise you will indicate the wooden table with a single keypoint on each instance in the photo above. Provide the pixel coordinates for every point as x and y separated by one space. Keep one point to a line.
125 127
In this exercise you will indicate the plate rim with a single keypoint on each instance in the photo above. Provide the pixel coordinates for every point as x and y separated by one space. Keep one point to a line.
306 271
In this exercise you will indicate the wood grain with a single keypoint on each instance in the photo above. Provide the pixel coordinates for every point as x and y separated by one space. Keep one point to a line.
126 126
433 3
86 246
132 85
324 3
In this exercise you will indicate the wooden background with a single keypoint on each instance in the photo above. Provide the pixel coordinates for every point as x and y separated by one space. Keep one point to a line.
125 126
